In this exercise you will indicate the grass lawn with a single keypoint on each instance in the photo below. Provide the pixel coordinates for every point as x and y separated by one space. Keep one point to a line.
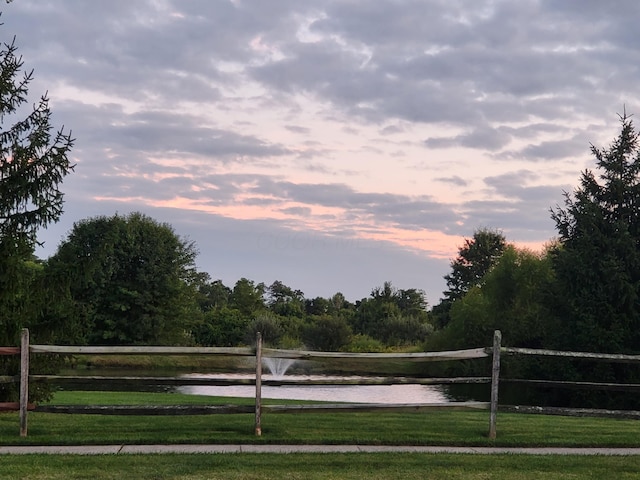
431 428
458 428
318 466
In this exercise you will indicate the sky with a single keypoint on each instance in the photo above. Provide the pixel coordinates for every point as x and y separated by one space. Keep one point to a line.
332 145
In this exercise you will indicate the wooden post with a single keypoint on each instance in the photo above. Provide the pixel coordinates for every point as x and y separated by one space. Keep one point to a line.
24 381
258 384
495 377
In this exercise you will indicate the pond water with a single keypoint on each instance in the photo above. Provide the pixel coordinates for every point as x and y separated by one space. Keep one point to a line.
384 394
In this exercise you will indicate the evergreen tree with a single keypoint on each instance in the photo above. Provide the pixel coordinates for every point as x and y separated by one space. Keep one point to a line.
597 262
33 163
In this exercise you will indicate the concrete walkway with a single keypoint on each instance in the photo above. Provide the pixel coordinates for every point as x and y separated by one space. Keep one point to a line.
191 449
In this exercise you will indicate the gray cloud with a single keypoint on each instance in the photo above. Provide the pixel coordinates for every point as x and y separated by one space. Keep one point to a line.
482 60
454 180
156 87
550 150
297 129
484 138
524 212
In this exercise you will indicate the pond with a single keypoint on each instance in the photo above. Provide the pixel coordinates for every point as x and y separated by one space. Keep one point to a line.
384 394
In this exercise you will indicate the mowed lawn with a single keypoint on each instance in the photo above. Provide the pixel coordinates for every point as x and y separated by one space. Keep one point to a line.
456 428
426 428
317 466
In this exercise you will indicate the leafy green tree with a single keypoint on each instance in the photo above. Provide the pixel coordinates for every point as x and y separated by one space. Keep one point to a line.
213 295
336 305
372 312
393 316
412 302
516 288
39 303
475 258
222 327
511 299
597 262
317 306
133 279
33 163
401 330
270 327
248 298
285 301
339 305
327 333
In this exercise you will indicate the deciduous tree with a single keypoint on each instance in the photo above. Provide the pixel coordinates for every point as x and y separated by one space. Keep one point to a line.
284 300
393 316
248 297
475 258
133 278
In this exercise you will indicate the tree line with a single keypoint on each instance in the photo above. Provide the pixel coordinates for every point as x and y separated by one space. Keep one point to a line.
133 280
130 280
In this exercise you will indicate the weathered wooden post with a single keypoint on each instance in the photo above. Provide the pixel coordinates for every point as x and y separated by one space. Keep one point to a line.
24 381
495 377
258 384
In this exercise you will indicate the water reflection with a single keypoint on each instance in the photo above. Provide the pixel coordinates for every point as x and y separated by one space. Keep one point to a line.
385 394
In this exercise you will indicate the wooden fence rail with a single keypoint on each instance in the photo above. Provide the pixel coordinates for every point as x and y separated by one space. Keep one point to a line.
135 350
114 383
78 380
250 352
608 357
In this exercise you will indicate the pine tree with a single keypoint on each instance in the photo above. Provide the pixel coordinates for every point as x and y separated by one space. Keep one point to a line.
33 163
597 262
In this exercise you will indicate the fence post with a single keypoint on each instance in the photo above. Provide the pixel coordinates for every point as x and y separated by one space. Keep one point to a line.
258 384
495 377
24 381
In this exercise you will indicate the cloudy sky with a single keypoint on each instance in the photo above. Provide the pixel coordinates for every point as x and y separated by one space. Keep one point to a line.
330 144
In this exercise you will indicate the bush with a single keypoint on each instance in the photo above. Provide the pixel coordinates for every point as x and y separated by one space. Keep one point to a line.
327 333
363 343
269 325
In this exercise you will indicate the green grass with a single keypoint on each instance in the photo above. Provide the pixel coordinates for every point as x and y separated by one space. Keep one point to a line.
427 428
431 428
318 466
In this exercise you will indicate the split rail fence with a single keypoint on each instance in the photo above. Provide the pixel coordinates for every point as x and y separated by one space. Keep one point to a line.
495 351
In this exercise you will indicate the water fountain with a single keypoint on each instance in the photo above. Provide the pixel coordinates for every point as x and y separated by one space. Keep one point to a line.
359 393
278 366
